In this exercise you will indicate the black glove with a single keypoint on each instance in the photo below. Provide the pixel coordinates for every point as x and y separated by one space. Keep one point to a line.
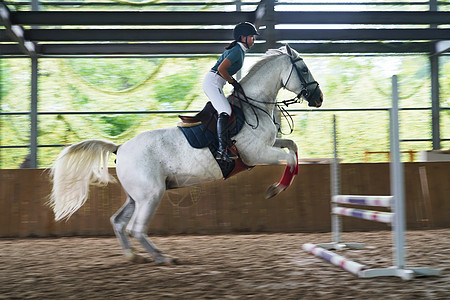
237 87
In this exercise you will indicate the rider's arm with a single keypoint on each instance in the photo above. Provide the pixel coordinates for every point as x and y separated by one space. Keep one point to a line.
223 70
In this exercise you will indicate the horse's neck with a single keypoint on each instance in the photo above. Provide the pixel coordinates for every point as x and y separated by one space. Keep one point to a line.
263 84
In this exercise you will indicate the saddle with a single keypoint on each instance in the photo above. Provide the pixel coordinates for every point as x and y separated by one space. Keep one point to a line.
201 132
208 117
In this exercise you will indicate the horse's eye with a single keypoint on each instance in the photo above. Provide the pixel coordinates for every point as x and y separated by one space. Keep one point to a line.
305 70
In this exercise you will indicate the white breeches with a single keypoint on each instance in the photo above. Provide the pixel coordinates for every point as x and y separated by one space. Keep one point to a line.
213 88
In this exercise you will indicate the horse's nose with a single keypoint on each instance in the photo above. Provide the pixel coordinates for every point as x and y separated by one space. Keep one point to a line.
319 104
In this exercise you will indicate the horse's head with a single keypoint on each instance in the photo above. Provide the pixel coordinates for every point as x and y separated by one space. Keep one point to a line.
300 80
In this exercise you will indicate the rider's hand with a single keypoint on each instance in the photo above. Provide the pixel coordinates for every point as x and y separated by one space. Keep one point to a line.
237 86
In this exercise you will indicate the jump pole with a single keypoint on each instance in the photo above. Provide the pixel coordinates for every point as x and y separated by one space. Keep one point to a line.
397 182
396 218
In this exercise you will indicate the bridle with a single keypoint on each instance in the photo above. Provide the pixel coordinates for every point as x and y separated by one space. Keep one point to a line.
297 99
304 92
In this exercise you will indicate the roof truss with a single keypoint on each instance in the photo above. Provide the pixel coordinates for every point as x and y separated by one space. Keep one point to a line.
59 33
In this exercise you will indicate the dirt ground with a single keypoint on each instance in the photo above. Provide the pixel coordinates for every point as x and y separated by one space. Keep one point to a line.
257 266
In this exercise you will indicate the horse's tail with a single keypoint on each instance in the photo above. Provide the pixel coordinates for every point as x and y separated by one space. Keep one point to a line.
77 167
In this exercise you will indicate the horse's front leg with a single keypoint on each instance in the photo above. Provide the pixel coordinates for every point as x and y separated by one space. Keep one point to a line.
286 143
291 145
289 172
270 155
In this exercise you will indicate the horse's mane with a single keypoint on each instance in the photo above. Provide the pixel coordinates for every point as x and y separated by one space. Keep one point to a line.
269 55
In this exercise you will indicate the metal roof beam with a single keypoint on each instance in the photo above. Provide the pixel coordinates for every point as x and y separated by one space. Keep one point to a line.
188 35
129 34
363 48
364 34
364 17
91 18
120 48
86 18
15 32
442 47
214 48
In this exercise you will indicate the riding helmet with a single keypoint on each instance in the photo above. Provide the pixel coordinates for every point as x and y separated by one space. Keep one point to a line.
244 29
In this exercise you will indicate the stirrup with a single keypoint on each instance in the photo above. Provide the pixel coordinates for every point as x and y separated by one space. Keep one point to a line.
226 155
231 155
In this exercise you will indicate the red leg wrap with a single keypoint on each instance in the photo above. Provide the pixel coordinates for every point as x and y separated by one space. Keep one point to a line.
289 175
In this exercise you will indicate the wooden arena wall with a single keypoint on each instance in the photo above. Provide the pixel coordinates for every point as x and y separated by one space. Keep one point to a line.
236 205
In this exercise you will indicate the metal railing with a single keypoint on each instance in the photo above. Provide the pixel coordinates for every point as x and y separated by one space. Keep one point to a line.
174 112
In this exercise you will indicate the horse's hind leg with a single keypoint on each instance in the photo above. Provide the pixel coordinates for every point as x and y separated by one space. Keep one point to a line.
145 209
119 222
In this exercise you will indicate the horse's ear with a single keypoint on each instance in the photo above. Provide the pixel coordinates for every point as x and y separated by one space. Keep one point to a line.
289 50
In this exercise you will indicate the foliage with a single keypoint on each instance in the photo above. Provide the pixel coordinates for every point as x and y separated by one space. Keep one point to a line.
116 125
77 85
113 74
172 91
5 82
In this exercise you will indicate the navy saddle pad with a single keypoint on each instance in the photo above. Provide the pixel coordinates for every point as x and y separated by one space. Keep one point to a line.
200 137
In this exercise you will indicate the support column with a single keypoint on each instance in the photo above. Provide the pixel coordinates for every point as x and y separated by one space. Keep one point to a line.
33 113
435 105
238 5
34 103
1 120
35 5
238 8
269 20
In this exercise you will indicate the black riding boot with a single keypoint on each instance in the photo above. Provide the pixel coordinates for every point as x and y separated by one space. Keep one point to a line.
222 133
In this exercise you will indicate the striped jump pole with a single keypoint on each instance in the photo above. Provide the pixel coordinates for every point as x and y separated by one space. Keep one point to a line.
335 259
383 201
383 217
397 182
396 217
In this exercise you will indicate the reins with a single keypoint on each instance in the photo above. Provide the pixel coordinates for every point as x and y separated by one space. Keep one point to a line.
297 99
278 104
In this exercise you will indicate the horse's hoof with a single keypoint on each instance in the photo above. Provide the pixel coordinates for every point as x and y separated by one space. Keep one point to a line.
135 258
274 190
166 260
142 259
172 262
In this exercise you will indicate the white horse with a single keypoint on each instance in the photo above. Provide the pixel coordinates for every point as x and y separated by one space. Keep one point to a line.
157 160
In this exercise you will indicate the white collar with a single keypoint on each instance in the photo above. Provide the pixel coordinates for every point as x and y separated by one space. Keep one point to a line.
242 46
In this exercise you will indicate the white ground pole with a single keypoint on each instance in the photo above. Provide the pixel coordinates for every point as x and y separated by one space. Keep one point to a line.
396 218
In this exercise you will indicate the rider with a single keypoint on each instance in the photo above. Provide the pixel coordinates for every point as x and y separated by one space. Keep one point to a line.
229 63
